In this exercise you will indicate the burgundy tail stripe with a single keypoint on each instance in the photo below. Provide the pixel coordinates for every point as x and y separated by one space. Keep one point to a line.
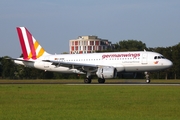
31 44
23 46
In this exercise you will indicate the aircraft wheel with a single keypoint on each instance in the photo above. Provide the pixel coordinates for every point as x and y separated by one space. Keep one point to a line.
148 81
100 80
87 80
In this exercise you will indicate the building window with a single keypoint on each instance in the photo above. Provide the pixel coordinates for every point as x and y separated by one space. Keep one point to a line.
84 48
89 47
72 47
97 42
76 47
85 42
91 42
99 47
76 42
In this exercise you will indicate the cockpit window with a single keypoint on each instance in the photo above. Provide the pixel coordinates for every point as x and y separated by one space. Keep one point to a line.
159 57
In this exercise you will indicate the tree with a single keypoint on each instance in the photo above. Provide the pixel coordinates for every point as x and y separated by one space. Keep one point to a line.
175 58
130 45
8 68
1 69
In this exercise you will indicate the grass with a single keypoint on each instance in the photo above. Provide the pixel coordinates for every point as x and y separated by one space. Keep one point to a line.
69 102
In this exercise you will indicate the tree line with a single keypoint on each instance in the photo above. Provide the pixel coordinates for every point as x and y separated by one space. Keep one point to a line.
10 70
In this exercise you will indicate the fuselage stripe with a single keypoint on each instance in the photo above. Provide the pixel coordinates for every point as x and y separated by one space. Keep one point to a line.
22 43
30 55
31 45
40 53
36 44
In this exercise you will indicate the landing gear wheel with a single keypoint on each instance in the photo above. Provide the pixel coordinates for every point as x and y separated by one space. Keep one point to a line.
87 80
148 81
147 77
101 80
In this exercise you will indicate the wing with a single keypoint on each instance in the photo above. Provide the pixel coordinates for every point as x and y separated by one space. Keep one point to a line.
73 65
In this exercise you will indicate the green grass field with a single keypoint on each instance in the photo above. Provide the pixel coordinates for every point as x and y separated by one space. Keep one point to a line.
78 102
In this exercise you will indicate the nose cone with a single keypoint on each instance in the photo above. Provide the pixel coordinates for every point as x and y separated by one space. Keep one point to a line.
169 63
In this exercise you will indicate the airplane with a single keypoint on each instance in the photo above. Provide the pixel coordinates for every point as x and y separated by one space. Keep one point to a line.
104 65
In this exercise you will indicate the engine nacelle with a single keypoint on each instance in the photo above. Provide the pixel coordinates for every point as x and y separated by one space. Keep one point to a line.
106 72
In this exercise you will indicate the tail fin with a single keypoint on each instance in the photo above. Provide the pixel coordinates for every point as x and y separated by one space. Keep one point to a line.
31 49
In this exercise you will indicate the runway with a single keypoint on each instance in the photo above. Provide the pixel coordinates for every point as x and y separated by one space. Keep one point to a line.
129 84
95 83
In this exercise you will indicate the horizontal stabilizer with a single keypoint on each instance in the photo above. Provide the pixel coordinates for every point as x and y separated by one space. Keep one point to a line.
20 59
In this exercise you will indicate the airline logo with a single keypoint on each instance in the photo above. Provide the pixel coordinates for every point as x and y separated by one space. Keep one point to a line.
134 55
30 47
156 62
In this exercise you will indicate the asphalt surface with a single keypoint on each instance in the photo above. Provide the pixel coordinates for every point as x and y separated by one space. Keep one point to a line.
93 83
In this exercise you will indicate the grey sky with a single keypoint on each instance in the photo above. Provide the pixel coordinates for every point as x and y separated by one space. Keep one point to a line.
54 22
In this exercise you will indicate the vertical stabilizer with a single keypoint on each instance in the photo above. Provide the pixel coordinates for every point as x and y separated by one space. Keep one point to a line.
30 47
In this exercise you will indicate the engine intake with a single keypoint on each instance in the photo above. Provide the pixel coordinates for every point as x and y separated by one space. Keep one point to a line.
106 72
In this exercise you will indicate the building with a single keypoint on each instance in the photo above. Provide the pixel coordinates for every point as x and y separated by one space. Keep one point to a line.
88 44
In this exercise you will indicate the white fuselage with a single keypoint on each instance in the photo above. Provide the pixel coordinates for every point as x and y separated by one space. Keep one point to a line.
135 61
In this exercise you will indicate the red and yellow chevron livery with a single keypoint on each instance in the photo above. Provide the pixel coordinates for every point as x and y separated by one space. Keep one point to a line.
31 49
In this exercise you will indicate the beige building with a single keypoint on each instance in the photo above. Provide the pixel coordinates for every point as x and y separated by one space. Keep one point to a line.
88 44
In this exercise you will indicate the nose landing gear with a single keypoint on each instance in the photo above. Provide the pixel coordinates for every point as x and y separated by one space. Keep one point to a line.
147 77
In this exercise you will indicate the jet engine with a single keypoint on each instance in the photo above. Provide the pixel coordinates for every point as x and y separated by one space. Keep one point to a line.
106 72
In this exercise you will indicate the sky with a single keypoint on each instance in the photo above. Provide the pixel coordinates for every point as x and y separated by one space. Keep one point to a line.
54 22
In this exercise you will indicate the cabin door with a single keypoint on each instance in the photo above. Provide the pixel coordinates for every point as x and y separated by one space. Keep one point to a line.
144 58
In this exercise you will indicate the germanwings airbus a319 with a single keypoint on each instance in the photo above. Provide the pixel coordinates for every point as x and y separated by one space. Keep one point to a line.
104 65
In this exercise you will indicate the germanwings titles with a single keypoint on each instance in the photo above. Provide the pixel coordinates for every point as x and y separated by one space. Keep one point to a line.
104 65
134 55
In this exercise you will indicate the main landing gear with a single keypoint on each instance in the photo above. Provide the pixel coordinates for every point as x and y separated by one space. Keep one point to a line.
101 80
89 79
147 77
